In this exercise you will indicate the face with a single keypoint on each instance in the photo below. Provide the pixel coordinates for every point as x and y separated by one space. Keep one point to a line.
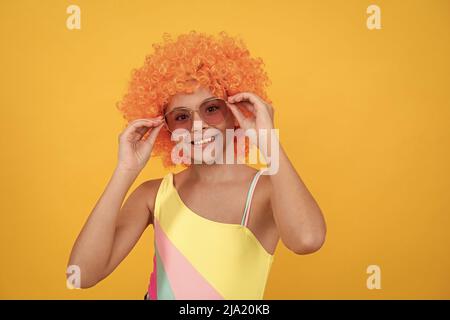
189 112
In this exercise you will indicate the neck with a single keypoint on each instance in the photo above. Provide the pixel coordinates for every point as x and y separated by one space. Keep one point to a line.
216 172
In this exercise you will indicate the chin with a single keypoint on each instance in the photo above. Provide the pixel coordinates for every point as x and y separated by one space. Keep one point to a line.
204 160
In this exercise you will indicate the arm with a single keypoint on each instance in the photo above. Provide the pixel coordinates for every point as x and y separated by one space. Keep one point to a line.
112 230
299 219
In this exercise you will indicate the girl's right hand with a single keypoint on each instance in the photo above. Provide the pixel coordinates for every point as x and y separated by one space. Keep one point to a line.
134 151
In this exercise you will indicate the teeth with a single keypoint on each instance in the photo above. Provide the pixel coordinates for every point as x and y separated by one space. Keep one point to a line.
203 141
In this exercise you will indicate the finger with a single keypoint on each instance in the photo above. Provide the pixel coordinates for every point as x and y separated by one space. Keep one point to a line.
146 119
237 113
271 110
245 96
142 130
139 127
247 105
139 123
153 134
257 103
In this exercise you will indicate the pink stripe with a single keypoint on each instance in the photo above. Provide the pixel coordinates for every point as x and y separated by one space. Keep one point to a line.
186 282
152 292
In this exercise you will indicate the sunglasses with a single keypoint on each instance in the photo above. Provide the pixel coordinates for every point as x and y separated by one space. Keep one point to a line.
212 111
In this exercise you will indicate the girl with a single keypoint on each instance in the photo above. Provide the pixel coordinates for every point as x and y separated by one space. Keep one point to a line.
216 226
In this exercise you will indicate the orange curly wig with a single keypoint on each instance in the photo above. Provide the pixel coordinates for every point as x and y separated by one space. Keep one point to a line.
222 64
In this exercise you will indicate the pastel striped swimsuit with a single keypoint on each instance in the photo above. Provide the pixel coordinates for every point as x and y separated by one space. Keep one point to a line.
199 259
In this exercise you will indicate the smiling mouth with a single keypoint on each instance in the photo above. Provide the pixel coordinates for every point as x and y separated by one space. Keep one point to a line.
203 141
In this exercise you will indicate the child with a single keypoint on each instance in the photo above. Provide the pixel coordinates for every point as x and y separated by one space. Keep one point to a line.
216 225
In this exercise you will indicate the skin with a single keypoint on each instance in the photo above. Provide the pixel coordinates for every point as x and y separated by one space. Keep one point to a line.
282 207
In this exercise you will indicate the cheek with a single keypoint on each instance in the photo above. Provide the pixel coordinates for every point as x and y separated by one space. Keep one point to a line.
230 122
227 125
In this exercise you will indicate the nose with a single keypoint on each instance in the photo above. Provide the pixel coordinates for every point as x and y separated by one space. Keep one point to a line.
196 118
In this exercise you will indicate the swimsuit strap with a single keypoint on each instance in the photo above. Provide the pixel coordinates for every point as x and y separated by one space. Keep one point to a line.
249 197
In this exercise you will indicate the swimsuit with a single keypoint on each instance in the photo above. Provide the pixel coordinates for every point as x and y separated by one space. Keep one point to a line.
198 259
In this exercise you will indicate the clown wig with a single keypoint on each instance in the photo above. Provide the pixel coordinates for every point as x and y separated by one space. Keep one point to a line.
222 64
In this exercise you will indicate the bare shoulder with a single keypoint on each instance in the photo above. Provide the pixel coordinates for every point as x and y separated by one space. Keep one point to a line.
262 193
263 222
262 198
147 192
264 180
263 187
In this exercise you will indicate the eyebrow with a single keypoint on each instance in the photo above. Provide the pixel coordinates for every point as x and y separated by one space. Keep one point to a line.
205 100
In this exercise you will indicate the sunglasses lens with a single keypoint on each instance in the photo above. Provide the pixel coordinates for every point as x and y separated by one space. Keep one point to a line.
214 112
179 119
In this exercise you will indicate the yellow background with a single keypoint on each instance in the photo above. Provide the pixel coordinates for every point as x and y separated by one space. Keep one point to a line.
364 116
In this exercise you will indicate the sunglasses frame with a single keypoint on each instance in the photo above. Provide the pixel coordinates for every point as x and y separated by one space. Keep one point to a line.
191 111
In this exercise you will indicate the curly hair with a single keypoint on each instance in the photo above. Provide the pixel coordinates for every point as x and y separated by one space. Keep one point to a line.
222 64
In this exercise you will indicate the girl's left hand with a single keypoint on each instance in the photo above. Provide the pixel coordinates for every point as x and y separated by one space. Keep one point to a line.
262 111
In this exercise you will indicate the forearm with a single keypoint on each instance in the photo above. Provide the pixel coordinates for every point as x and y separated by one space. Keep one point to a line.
93 246
298 217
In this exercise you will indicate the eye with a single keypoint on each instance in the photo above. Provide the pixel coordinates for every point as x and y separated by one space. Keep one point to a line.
212 108
181 117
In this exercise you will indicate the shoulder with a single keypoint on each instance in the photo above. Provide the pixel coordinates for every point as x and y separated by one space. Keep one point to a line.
262 200
147 191
264 184
180 177
151 185
262 188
